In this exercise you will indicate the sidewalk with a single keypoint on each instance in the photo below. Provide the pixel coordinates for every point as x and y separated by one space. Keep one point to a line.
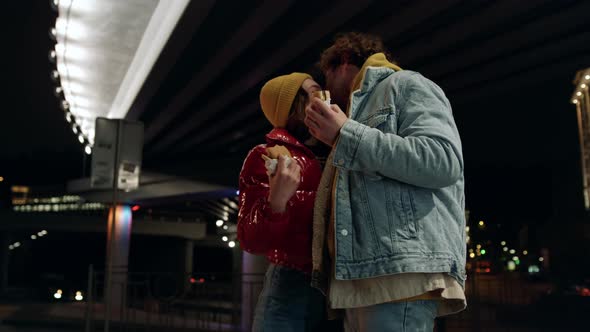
71 316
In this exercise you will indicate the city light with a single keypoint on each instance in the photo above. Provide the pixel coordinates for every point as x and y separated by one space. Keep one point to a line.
472 255
575 101
481 223
33 237
17 244
525 252
578 93
88 149
505 249
224 239
511 266
587 77
58 294
515 258
135 208
79 296
533 269
483 251
467 229
512 251
1 179
11 247
541 259
503 243
478 246
219 223
225 227
231 244
583 86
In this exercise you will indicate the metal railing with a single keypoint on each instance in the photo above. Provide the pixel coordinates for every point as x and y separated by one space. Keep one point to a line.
172 302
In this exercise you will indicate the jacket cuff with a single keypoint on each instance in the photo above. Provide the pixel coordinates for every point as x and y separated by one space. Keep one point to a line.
348 143
275 217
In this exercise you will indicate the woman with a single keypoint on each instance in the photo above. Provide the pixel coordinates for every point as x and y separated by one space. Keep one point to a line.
276 209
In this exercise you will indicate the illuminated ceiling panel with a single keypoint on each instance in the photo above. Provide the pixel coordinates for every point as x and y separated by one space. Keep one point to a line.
104 51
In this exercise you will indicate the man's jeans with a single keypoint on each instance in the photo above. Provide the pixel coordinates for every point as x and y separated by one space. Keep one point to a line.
415 316
288 302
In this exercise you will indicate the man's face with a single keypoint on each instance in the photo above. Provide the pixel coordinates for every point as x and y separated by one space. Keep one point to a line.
338 82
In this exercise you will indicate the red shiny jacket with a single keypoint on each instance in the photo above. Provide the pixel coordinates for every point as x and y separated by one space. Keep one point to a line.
285 238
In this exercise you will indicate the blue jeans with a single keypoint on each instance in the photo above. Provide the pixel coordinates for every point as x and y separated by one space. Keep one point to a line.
288 302
415 316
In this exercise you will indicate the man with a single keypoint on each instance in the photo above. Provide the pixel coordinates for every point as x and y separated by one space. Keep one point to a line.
389 228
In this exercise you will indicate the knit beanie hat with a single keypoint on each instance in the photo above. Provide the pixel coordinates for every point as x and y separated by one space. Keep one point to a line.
277 95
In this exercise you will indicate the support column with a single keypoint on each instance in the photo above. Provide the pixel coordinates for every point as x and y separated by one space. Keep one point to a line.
118 240
253 270
4 242
189 247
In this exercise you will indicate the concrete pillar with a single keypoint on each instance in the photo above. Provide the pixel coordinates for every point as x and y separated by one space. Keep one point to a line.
4 243
118 239
253 270
189 247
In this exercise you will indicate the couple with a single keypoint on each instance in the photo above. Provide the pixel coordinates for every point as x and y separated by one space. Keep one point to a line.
367 223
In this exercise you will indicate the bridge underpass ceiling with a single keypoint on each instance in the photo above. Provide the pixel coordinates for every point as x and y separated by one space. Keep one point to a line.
199 101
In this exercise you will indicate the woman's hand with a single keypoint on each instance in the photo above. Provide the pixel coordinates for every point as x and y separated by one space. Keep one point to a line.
283 184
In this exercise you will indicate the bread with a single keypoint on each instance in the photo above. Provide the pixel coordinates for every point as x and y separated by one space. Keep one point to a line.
276 151
322 94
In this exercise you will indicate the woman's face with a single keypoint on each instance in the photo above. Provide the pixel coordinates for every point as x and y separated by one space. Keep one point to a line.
310 86
295 124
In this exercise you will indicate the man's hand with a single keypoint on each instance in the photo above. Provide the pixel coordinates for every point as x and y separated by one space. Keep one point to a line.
283 184
324 122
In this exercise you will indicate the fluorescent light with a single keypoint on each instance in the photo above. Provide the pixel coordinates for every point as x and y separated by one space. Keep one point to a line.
71 71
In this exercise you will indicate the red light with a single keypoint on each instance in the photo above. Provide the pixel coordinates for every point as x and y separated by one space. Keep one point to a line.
202 280
192 280
135 208
585 291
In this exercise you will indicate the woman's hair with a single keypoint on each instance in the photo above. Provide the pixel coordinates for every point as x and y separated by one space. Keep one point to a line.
352 48
299 102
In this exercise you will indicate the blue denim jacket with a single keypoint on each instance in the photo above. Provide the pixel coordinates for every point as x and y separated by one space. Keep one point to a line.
399 186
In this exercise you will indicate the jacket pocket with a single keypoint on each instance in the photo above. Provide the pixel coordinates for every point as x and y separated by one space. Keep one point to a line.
411 212
381 119
408 211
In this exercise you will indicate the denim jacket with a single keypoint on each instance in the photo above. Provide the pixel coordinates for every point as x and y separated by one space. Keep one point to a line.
398 187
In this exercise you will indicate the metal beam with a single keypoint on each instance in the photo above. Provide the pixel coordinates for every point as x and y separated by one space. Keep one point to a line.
194 15
245 35
311 33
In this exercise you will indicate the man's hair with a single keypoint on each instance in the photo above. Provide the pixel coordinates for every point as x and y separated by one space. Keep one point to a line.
352 48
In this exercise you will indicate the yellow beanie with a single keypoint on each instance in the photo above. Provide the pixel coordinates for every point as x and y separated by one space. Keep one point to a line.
278 94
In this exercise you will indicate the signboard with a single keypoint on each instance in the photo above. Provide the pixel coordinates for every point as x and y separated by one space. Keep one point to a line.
118 145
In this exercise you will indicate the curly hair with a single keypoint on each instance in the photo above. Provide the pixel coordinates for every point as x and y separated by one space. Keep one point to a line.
353 48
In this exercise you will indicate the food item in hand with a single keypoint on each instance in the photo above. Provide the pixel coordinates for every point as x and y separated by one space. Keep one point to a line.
271 160
275 151
323 95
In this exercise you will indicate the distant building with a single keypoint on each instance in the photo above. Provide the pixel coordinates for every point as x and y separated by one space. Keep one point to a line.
581 100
